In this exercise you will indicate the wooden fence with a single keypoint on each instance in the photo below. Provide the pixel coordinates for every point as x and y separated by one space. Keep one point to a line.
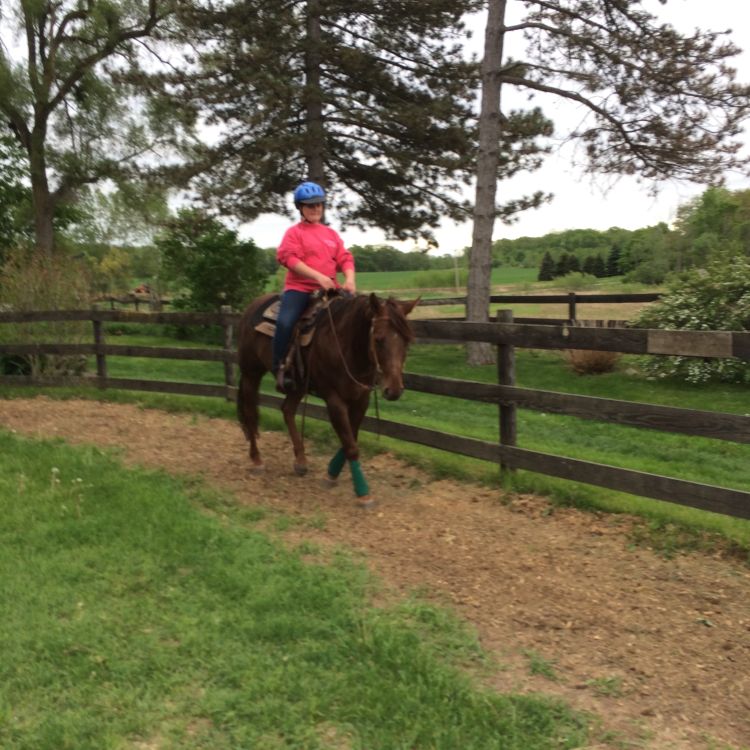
506 335
571 299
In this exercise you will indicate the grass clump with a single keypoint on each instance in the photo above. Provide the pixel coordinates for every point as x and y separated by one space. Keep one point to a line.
134 618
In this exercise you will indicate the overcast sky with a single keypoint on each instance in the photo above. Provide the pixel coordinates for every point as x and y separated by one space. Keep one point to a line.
580 201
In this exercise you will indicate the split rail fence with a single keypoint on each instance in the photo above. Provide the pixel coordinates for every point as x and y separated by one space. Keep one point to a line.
504 333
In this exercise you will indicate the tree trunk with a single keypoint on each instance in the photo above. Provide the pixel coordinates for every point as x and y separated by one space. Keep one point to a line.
42 200
315 141
480 260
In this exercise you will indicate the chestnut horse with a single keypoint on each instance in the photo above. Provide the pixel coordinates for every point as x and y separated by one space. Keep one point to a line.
360 342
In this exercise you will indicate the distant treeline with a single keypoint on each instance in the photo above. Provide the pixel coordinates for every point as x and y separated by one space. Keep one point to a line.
640 255
716 222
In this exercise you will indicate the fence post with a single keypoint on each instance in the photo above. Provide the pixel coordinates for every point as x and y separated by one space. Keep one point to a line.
101 357
571 307
228 341
506 375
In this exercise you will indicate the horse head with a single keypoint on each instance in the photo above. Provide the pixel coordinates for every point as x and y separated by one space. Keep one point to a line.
390 336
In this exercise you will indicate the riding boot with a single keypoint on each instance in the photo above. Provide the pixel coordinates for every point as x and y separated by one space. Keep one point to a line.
284 380
279 378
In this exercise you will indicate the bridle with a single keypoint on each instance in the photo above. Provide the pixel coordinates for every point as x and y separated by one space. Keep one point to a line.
372 351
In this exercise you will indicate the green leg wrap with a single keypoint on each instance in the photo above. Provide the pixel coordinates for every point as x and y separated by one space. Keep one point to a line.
336 464
360 483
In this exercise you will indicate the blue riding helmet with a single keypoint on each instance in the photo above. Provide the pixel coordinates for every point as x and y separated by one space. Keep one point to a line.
309 192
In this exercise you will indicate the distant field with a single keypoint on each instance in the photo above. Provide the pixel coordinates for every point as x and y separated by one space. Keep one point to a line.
444 280
504 281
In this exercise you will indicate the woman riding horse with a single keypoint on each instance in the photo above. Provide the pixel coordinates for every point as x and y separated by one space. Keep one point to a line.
359 342
312 253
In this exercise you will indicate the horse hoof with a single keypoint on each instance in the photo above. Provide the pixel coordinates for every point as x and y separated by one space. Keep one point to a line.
258 469
367 503
300 470
329 482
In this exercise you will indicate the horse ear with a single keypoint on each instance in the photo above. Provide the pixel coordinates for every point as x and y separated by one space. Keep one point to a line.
375 304
408 305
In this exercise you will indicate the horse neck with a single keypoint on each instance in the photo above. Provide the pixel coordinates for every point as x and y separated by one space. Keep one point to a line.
352 327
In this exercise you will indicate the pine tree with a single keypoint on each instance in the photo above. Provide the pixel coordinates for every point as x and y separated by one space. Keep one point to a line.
373 100
598 267
613 261
546 268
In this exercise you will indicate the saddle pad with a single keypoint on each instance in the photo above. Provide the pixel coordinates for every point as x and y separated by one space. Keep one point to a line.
272 311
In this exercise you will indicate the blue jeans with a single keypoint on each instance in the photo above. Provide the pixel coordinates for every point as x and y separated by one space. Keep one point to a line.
293 304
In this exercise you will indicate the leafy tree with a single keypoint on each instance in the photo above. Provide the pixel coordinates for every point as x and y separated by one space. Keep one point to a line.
30 280
660 104
72 101
547 268
15 197
373 100
208 264
716 221
713 298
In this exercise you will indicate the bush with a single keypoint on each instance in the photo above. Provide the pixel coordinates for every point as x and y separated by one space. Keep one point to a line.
31 280
715 298
591 362
209 265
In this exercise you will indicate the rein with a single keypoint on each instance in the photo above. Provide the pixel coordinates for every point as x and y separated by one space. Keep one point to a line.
373 352
373 357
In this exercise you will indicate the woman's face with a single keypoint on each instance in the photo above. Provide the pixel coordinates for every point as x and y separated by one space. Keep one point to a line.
312 212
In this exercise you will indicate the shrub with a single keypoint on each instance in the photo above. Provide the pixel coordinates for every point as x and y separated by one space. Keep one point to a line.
591 362
714 298
209 265
31 280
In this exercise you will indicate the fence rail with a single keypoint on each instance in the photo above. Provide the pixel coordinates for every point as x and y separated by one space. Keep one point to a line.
507 336
571 299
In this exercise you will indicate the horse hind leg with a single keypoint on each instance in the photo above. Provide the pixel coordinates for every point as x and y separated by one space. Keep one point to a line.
289 410
247 413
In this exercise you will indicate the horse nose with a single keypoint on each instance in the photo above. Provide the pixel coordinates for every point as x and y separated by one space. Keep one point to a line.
393 394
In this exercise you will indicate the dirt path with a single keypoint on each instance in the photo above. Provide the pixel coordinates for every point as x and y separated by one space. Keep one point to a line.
659 649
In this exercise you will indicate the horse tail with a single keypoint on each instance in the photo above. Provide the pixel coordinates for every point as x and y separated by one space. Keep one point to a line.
247 407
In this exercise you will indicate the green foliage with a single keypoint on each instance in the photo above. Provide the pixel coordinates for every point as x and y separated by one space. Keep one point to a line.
396 92
208 264
15 198
387 258
546 268
716 221
75 100
30 280
713 298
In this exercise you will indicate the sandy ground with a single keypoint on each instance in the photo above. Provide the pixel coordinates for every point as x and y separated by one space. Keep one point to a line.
658 649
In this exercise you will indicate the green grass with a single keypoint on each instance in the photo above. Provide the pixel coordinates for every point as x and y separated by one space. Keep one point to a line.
140 611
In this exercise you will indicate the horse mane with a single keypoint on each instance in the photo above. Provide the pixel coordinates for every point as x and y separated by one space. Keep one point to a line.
349 311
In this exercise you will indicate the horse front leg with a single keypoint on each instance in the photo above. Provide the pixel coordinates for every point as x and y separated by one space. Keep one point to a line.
340 415
289 410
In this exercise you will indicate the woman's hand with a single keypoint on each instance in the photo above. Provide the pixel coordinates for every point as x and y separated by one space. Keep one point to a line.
326 283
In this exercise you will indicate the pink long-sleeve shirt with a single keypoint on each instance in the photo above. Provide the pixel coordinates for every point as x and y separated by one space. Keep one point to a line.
317 245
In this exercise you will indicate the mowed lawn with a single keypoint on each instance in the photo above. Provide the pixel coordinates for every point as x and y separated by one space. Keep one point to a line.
140 612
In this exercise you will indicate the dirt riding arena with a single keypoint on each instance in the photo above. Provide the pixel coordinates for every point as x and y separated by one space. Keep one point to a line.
659 649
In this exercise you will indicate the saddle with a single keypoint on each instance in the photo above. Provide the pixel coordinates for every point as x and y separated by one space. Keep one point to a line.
265 323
